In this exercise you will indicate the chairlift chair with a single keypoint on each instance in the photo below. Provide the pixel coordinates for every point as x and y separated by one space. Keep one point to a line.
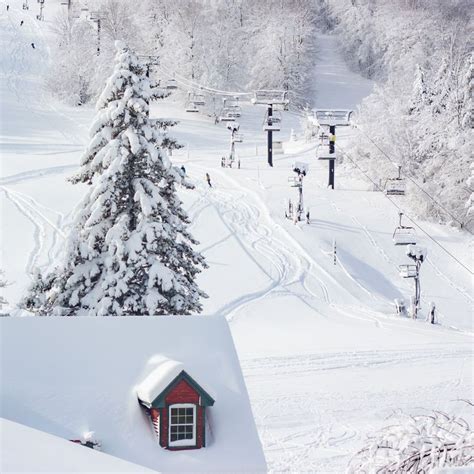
294 181
395 186
171 84
323 138
271 127
191 107
274 97
404 235
226 115
407 271
199 99
332 117
235 110
276 117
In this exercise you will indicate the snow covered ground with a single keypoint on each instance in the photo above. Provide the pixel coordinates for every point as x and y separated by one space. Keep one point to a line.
324 357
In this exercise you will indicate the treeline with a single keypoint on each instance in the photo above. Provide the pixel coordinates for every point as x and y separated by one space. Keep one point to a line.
421 113
227 44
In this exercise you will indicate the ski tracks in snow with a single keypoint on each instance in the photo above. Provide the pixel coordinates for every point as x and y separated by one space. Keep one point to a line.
266 243
308 363
35 213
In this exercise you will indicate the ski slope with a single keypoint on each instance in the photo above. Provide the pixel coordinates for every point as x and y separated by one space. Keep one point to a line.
325 359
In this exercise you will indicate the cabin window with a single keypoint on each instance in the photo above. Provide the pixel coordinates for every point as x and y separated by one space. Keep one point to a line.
182 424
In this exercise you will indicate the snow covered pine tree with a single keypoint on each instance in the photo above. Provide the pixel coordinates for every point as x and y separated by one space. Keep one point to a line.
129 251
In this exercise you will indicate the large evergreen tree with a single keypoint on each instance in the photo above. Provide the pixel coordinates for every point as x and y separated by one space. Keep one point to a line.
129 251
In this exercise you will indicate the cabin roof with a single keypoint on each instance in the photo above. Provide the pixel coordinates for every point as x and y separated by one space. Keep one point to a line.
67 376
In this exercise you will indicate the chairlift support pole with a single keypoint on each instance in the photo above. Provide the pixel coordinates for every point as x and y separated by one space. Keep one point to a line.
95 17
332 161
232 146
270 136
271 98
40 16
417 289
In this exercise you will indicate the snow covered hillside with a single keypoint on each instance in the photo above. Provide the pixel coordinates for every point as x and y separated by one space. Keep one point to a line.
324 356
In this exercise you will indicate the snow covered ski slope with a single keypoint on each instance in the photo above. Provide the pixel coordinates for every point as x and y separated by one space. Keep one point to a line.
326 360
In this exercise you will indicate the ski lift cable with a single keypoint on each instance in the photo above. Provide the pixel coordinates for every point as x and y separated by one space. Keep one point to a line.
413 180
412 220
204 88
184 85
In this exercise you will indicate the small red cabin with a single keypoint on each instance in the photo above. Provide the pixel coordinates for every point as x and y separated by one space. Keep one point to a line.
176 404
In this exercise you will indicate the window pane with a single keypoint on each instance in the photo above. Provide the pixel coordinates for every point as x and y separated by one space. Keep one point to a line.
182 423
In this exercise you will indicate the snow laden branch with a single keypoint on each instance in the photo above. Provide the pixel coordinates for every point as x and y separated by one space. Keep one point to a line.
417 444
129 251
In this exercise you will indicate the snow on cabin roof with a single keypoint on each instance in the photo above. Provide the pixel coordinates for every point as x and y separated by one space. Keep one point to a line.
160 377
67 376
25 449
166 371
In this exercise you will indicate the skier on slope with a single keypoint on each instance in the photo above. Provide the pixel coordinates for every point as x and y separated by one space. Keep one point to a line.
8 7
208 179
183 170
21 23
33 45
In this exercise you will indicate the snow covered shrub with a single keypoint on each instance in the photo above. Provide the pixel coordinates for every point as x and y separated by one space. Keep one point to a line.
129 251
417 445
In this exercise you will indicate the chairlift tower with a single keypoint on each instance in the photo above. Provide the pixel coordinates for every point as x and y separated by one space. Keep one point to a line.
271 98
331 119
292 213
40 16
95 17
418 255
236 137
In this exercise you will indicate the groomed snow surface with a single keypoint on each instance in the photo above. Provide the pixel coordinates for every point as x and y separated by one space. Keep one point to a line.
324 357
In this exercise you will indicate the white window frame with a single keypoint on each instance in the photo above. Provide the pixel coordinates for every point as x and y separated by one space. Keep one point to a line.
182 442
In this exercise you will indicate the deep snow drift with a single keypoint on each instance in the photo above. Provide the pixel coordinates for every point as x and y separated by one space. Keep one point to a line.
324 357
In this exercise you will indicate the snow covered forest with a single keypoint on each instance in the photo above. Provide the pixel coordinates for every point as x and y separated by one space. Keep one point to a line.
421 113
221 44
287 185
418 51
